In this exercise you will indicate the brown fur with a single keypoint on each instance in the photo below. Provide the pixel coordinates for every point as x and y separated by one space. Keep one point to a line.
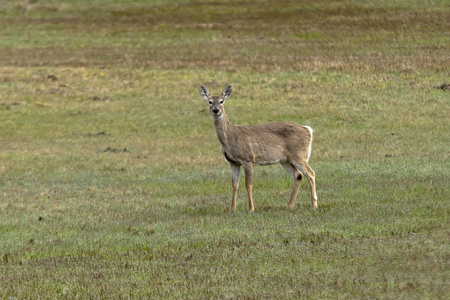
244 146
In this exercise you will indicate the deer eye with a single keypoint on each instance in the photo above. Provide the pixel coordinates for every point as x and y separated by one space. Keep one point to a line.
210 102
221 101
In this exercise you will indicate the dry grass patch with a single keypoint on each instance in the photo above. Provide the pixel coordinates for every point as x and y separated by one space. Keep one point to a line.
256 36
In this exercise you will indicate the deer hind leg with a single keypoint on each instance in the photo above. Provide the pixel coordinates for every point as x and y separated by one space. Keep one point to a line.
304 168
249 184
297 178
235 174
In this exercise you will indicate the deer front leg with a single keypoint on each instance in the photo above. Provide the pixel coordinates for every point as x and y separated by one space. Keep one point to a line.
235 174
249 184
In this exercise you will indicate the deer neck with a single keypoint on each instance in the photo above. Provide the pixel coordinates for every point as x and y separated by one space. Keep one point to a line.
223 129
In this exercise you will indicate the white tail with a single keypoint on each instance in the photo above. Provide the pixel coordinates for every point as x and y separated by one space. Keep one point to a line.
286 143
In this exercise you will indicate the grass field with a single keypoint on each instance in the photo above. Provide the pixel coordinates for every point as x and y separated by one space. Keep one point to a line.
113 185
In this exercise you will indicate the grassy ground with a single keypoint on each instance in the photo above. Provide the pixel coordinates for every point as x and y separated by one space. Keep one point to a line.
112 182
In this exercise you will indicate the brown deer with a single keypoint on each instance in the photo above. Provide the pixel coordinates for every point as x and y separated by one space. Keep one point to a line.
286 143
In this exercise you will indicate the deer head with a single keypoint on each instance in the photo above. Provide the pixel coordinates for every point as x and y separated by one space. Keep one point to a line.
216 102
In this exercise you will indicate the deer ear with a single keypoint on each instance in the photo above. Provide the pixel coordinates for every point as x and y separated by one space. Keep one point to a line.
226 93
204 93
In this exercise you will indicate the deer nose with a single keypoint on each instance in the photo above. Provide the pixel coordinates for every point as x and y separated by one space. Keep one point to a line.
215 110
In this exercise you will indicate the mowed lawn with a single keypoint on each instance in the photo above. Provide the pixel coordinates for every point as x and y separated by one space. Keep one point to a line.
112 181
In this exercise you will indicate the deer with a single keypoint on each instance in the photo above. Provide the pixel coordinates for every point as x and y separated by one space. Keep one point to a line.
286 143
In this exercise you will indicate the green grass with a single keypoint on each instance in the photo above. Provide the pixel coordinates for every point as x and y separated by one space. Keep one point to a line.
112 182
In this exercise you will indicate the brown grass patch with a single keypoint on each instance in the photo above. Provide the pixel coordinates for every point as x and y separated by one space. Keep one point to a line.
254 36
